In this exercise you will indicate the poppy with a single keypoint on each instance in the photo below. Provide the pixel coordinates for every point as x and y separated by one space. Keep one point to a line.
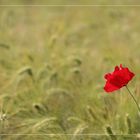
117 79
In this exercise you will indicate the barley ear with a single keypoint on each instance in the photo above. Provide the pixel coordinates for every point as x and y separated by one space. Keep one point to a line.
91 113
110 132
128 124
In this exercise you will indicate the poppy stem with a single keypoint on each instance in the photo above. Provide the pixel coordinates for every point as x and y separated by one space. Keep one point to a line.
133 98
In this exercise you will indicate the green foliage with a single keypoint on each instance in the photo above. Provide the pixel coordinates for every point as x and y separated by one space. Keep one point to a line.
52 63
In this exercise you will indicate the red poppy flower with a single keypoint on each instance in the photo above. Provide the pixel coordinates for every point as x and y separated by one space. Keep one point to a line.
117 79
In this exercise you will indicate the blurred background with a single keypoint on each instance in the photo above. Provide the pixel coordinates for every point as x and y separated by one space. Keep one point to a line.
52 65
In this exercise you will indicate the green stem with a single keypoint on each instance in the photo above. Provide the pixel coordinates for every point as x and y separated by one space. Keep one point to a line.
133 98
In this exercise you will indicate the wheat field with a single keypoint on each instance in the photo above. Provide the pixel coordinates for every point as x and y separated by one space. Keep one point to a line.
52 65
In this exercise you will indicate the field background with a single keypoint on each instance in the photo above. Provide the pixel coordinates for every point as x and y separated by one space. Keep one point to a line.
52 65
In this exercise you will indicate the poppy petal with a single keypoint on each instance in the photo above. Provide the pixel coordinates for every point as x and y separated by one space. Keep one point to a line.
117 79
110 87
